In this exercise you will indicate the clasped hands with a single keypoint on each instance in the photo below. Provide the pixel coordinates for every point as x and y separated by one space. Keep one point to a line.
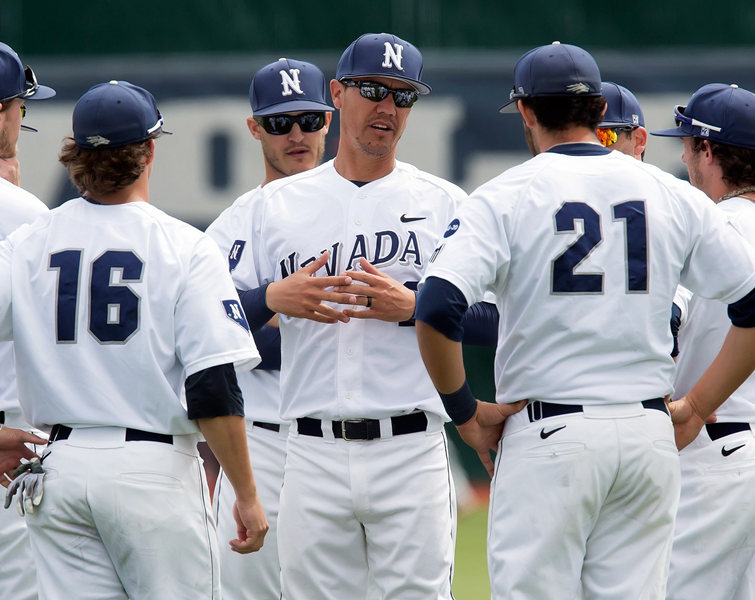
303 295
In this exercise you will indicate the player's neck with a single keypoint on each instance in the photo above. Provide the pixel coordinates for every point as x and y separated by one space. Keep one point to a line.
136 192
546 139
357 166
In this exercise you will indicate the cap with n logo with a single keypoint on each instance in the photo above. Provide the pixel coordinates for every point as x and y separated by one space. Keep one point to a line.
383 55
286 86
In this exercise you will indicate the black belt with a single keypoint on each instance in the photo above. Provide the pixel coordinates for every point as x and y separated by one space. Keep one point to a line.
62 432
542 410
719 430
2 417
364 429
269 426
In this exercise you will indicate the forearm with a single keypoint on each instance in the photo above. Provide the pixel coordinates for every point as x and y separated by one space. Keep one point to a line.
734 363
226 437
442 357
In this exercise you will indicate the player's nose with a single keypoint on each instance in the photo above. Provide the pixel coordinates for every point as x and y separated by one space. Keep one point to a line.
296 134
387 106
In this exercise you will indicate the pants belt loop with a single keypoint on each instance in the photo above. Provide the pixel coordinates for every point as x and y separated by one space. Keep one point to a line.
386 428
327 430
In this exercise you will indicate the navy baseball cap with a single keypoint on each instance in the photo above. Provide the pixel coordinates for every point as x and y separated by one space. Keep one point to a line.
383 55
115 114
623 109
287 86
17 81
554 70
719 112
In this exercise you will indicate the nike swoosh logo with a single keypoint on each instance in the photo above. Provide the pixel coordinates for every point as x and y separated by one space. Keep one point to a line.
726 452
405 219
546 434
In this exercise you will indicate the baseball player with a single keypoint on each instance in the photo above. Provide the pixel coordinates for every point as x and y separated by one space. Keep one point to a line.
367 490
712 554
116 310
17 85
623 124
584 248
290 119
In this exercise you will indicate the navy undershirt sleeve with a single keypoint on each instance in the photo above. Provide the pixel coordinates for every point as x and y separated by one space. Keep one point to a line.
742 312
268 341
255 307
480 325
214 392
442 306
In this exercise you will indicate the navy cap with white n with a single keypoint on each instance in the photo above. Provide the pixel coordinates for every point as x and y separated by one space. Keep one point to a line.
114 114
383 55
286 86
719 112
623 109
554 70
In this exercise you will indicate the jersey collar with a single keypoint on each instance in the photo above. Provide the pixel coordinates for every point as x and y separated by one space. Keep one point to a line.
579 149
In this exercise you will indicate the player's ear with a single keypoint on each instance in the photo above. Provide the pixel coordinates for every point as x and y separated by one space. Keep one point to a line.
151 156
528 115
640 136
328 119
336 92
254 128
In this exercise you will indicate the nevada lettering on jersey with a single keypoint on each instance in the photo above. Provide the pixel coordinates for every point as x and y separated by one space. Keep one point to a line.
387 247
291 82
392 57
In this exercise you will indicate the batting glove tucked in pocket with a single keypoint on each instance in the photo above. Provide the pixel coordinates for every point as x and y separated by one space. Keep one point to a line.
28 481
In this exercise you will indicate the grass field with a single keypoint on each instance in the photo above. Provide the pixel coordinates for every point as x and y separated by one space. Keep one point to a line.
471 568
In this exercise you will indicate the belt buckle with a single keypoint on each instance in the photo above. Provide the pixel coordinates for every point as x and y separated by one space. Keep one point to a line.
343 430
536 411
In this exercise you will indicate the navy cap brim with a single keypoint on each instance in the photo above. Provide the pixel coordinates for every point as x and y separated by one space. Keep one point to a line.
293 106
672 132
43 92
509 108
616 124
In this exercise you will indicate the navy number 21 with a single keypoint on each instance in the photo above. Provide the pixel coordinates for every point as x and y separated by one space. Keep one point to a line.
113 307
563 278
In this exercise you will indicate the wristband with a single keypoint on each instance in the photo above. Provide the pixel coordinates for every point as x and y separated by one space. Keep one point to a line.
460 405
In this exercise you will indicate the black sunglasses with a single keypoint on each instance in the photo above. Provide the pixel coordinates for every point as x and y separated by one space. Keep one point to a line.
377 92
282 124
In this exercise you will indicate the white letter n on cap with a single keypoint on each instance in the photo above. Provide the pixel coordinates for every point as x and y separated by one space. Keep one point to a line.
392 57
290 82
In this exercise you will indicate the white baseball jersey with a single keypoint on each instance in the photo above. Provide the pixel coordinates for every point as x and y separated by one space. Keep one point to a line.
364 368
232 232
18 207
584 281
705 326
17 573
120 304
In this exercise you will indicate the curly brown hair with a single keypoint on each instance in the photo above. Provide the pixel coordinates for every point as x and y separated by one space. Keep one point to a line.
737 163
558 113
102 171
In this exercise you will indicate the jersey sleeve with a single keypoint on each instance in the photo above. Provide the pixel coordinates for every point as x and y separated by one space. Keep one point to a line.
6 315
474 251
721 263
210 326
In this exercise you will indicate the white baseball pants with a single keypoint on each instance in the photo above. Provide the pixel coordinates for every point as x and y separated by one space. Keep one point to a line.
582 505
